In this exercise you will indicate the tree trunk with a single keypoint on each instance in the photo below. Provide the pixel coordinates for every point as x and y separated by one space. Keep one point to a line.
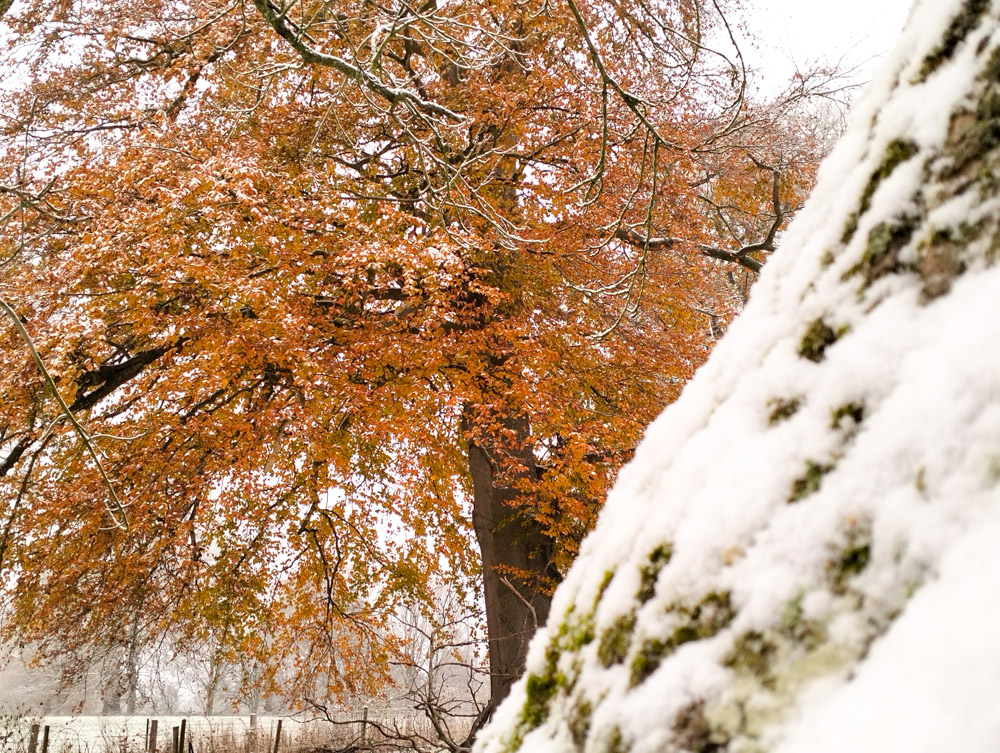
516 554
132 667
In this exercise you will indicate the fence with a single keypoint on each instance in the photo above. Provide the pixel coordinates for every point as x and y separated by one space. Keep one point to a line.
171 734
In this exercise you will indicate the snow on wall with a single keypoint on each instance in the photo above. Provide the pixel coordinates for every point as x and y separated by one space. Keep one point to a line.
805 553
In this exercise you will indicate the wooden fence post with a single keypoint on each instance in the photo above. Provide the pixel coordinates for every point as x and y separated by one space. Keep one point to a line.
151 746
252 734
33 739
277 737
45 740
364 726
180 747
177 732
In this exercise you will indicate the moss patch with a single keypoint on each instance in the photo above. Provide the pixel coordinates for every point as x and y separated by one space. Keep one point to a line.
539 690
881 257
605 582
896 153
979 135
817 339
658 559
782 410
647 659
575 632
694 733
615 641
707 618
959 28
752 652
991 71
810 482
852 560
616 743
579 722
849 415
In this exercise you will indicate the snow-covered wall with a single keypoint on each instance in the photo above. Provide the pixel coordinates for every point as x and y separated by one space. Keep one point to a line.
805 553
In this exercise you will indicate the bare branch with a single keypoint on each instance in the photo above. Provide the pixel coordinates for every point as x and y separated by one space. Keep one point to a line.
278 20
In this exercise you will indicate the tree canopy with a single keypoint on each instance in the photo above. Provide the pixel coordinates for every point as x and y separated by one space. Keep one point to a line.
316 289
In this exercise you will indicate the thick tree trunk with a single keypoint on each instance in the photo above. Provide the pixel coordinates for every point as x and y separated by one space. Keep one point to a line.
516 554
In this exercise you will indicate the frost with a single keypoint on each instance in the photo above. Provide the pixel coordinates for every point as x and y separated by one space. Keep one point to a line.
804 549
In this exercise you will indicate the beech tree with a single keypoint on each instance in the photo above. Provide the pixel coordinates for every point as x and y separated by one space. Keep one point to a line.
825 587
288 285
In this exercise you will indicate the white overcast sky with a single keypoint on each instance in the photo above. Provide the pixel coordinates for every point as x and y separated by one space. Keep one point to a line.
808 31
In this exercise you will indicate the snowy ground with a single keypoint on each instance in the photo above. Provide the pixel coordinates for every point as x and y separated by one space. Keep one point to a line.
103 734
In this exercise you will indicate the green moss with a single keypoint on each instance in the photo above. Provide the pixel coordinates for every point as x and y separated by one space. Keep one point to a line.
647 659
991 71
852 560
615 641
753 652
961 26
579 722
658 559
827 259
882 254
713 613
853 411
810 482
605 582
616 743
782 410
539 690
982 135
574 632
896 153
816 340
704 620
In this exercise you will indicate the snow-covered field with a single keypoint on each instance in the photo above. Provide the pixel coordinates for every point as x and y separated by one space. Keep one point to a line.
103 734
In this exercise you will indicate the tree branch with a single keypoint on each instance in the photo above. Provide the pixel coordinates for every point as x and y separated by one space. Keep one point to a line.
115 508
277 19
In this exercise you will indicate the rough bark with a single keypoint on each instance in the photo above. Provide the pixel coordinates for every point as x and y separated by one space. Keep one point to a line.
516 555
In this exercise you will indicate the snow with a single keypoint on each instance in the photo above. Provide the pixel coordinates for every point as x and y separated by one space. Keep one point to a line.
860 554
